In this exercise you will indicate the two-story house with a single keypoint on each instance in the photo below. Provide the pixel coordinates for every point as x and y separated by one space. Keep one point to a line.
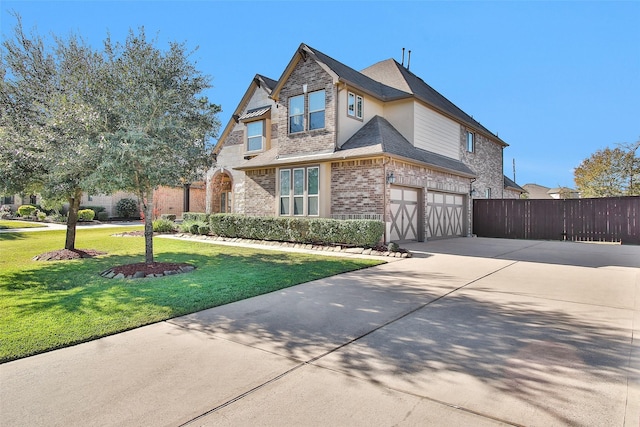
325 140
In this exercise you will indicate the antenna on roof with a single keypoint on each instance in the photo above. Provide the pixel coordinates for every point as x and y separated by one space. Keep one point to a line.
514 170
408 60
403 57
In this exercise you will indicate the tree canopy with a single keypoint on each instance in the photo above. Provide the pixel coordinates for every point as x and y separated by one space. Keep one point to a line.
128 117
162 122
49 126
610 172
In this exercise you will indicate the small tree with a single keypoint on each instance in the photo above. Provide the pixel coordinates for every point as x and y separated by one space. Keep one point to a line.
163 121
49 124
610 172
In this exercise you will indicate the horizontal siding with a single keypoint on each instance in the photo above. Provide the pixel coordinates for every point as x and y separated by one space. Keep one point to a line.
436 133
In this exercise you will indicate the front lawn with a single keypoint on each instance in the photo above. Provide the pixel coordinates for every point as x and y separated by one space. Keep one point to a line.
49 305
6 224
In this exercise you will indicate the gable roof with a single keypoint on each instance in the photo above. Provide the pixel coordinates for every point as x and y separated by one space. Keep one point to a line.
259 81
386 80
340 73
392 73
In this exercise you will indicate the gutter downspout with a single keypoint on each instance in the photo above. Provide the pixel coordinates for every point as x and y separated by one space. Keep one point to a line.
470 215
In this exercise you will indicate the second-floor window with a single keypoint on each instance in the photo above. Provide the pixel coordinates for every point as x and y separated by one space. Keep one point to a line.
354 105
296 114
316 110
311 118
471 142
255 136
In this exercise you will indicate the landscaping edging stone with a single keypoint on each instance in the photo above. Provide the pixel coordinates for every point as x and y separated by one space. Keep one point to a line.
319 248
113 273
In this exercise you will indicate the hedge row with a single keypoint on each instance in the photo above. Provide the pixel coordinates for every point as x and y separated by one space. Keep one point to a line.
364 233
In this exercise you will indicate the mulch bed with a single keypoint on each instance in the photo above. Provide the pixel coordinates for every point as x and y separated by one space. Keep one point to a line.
141 270
67 254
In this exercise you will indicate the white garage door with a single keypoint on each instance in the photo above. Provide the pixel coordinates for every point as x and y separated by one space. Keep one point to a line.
404 214
445 215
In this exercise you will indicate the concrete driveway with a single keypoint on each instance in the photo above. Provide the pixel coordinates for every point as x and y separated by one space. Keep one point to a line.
468 332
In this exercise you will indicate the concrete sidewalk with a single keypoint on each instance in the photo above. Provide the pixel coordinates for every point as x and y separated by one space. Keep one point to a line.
468 332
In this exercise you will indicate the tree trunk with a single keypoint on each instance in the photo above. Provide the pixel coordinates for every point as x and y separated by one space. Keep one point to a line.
148 227
72 219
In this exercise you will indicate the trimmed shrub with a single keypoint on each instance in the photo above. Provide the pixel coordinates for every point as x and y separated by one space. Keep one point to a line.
163 226
41 215
191 226
195 216
96 209
86 215
170 217
103 216
127 208
365 233
26 210
204 230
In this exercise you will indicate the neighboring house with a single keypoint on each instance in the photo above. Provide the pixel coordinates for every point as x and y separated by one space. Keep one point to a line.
166 200
536 191
328 141
14 201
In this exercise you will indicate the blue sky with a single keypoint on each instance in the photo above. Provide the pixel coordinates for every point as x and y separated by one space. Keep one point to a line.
555 80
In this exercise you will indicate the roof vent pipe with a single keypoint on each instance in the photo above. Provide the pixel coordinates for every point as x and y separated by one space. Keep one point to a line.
408 60
403 57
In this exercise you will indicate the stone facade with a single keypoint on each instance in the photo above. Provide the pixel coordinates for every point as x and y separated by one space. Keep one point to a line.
486 162
309 141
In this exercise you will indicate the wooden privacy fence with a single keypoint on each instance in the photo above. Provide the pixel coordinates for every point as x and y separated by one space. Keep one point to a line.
610 219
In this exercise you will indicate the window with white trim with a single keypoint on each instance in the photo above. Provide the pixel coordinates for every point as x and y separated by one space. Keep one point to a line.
296 114
300 191
316 109
255 136
354 105
471 145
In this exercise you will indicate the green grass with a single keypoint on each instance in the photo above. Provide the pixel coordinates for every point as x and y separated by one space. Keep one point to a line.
10 223
49 305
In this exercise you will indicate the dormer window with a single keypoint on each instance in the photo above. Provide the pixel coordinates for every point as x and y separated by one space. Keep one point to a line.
354 105
257 122
255 136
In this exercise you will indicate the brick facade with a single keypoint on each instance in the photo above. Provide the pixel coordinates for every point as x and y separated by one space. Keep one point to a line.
320 140
260 192
357 187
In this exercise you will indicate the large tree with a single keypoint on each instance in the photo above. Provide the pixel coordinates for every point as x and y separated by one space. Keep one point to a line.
163 122
610 172
49 125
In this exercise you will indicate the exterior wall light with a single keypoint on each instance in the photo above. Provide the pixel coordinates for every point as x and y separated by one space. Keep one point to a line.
391 179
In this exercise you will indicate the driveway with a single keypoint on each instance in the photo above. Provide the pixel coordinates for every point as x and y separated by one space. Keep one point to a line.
468 332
